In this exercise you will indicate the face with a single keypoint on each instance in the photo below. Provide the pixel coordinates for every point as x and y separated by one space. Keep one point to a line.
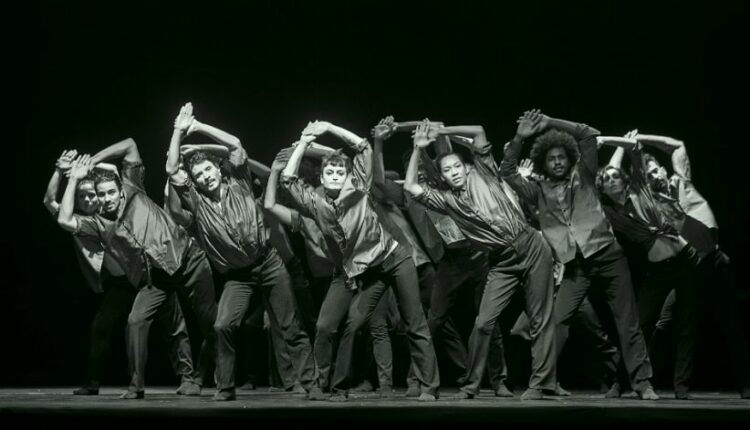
332 177
453 171
207 176
556 163
109 196
657 176
86 199
612 184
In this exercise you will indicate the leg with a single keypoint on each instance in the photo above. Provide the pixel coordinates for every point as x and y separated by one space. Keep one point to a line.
611 268
501 284
116 304
538 289
233 304
198 283
332 311
171 324
146 304
283 315
400 269
362 306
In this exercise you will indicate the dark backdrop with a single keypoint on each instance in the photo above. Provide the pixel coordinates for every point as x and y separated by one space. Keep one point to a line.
90 74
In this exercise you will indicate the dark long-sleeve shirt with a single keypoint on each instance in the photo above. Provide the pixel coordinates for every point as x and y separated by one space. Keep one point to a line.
142 236
570 214
354 236
231 230
484 211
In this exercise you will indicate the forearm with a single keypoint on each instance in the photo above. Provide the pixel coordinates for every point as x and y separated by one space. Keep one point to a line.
220 136
65 216
509 165
124 149
295 159
282 213
50 196
173 154
259 169
664 143
316 150
472 131
411 125
378 168
347 136
411 182
616 159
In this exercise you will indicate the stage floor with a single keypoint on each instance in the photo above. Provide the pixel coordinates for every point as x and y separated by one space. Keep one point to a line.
58 405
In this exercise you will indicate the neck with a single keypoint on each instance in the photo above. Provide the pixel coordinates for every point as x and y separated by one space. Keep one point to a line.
332 193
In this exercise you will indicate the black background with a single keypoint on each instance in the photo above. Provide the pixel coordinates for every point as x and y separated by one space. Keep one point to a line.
89 74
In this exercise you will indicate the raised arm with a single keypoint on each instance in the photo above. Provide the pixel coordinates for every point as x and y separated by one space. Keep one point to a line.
621 144
318 128
381 132
292 165
126 150
181 124
680 160
528 124
281 212
476 133
79 169
421 140
219 136
62 165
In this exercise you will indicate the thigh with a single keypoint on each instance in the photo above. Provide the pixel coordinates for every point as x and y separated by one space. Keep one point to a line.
147 302
335 305
234 300
498 291
575 285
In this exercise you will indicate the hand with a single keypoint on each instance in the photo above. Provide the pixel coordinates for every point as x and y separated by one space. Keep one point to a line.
80 167
421 135
184 119
316 128
434 132
529 123
65 160
385 128
281 160
632 134
526 168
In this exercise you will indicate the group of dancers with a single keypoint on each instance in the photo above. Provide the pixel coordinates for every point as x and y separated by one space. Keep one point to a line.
555 230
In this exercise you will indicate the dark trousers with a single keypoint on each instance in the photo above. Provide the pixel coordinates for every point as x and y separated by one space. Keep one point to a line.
461 271
589 320
526 264
397 270
194 280
271 277
716 290
334 308
117 300
678 274
607 269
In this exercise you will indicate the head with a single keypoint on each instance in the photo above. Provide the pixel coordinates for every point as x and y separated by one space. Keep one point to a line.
612 182
452 169
334 169
108 191
554 153
86 201
205 171
656 175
